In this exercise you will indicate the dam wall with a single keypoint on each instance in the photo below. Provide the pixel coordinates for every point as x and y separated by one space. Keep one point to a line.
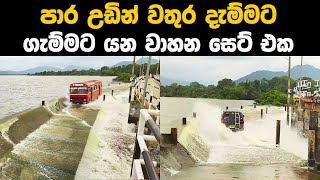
15 128
189 150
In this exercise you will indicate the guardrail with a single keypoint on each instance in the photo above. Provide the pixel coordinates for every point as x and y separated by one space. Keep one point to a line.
141 155
151 101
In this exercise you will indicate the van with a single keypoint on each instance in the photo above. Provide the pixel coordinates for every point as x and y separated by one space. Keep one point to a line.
233 120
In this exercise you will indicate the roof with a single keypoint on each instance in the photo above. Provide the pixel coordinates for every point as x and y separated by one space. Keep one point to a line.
91 82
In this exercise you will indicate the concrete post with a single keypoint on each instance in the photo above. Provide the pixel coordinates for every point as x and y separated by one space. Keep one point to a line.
313 127
278 133
194 114
174 135
130 91
184 120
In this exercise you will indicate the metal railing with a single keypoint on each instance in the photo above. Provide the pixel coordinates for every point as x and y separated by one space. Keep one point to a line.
152 101
141 155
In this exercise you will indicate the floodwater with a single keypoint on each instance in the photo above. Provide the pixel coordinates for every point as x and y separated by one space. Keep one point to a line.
247 154
19 93
54 150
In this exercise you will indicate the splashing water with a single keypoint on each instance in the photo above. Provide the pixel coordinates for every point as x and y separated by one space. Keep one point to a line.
256 143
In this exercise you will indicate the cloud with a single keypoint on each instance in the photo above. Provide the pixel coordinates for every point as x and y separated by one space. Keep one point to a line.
209 70
26 62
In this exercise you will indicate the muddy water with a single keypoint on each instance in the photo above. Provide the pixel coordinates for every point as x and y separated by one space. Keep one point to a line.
241 155
19 93
245 171
53 151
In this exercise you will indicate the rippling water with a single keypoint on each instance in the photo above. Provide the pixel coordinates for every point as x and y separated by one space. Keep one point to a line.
18 93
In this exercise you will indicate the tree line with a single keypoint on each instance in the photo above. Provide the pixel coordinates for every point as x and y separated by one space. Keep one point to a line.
263 92
123 72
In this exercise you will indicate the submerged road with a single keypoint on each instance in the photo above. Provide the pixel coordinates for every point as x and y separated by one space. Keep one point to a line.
53 148
251 153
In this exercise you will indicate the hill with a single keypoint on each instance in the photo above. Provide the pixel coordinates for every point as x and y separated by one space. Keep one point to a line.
138 61
167 81
41 69
307 71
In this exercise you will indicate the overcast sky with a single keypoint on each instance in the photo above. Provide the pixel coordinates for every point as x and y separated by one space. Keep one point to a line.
26 62
209 70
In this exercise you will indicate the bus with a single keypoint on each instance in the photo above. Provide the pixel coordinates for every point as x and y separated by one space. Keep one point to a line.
85 92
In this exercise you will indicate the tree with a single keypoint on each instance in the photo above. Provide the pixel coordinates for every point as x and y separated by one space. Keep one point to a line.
225 83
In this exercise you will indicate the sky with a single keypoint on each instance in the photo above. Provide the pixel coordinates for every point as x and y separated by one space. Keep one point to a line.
209 70
18 63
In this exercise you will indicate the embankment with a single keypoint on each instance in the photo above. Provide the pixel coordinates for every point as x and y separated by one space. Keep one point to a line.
17 127
190 150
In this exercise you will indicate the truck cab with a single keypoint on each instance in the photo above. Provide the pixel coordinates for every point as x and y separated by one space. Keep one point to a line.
233 120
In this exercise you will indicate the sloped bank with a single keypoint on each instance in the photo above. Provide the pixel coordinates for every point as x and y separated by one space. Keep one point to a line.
15 128
53 146
190 150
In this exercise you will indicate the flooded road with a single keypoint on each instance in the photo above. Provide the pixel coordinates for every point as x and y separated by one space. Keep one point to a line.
246 171
247 154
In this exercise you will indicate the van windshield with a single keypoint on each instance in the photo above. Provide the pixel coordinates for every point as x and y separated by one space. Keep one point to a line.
78 91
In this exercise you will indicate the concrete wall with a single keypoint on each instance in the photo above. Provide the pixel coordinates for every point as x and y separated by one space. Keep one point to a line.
16 128
190 150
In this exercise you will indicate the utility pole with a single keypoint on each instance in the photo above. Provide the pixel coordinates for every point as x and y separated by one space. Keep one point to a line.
146 82
288 100
300 81
157 72
134 61
299 106
140 67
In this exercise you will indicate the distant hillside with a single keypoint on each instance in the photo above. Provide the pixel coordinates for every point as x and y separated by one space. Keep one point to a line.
167 81
138 61
307 71
42 69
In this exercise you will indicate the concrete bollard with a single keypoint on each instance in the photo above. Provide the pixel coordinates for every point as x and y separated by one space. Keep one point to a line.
312 144
278 133
130 91
241 107
104 97
194 114
112 92
174 135
261 113
227 108
43 103
184 120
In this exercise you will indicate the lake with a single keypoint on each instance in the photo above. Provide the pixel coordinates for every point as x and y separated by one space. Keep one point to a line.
19 93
